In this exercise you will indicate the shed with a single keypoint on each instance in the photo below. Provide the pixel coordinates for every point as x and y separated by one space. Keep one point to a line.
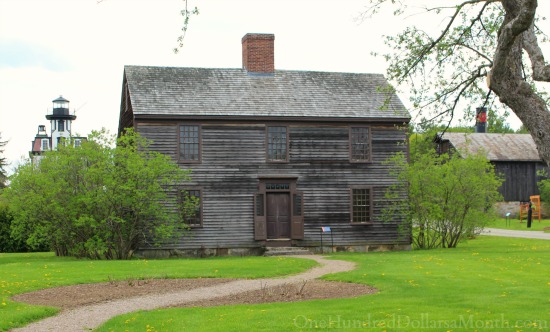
514 156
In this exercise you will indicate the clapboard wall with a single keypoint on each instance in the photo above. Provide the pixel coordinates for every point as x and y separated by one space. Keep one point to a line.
234 157
520 179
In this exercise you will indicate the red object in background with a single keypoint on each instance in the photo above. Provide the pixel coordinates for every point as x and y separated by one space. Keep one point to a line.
482 116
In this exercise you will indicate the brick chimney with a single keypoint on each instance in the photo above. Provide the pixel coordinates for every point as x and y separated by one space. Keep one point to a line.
259 53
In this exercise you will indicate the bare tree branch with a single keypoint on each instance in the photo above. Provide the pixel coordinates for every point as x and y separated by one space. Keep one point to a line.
446 30
541 71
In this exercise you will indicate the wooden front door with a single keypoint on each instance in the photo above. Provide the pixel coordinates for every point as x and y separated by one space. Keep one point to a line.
278 215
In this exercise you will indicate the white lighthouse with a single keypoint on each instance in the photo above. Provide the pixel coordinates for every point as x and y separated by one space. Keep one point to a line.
60 121
60 128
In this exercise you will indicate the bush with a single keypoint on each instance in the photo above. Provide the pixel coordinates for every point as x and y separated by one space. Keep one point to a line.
544 187
7 242
449 199
96 200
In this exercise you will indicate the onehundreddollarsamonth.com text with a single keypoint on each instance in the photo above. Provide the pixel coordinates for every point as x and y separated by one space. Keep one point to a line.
422 322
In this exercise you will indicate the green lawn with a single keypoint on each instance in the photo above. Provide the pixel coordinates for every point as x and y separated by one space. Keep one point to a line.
21 273
515 224
491 283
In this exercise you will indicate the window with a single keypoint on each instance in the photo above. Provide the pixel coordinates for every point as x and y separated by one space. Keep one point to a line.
45 144
77 143
277 144
189 143
61 125
360 144
361 207
191 207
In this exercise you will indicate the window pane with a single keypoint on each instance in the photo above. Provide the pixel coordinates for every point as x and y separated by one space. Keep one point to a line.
189 142
297 204
361 200
276 144
259 205
360 143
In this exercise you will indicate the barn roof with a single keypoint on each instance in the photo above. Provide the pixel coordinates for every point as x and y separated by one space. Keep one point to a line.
176 91
499 147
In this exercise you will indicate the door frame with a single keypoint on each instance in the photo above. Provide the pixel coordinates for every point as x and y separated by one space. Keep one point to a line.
278 184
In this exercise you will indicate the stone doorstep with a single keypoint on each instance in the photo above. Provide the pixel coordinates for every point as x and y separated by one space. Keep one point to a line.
285 251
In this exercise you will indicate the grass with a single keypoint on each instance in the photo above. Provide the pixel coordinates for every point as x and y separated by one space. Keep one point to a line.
20 273
515 224
491 283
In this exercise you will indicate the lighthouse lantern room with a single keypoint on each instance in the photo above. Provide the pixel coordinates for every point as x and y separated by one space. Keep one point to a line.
60 121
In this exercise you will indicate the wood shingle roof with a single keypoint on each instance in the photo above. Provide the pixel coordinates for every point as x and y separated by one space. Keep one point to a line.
498 147
180 91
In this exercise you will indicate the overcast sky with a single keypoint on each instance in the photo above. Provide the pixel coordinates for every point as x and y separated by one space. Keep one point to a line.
78 48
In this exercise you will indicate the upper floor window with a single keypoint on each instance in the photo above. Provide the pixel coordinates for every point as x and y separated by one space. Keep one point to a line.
277 143
189 143
45 144
61 125
361 205
360 144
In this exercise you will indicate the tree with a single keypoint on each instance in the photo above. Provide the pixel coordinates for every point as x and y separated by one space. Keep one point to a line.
3 163
186 15
479 51
449 198
96 200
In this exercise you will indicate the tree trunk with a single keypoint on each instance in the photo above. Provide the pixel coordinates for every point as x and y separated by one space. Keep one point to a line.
507 80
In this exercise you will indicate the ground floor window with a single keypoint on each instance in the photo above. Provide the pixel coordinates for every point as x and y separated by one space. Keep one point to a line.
361 205
191 207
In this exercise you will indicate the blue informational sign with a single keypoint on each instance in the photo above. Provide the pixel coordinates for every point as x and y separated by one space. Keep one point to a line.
325 229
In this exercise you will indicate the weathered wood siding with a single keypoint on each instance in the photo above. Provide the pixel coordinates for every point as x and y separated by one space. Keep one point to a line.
520 179
233 157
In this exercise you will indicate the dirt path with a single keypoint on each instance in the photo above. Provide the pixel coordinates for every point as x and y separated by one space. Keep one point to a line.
91 316
510 233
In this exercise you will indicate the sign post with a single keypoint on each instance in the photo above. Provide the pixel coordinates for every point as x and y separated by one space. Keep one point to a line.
326 229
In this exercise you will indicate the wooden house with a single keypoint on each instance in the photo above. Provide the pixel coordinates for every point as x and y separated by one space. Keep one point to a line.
514 156
275 154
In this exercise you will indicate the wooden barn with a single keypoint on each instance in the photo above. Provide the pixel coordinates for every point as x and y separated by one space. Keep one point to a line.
514 156
275 155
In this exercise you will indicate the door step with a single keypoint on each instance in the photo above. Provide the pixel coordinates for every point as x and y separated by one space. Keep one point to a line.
278 243
286 251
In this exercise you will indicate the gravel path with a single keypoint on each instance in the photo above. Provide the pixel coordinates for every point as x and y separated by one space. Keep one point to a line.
510 233
91 316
